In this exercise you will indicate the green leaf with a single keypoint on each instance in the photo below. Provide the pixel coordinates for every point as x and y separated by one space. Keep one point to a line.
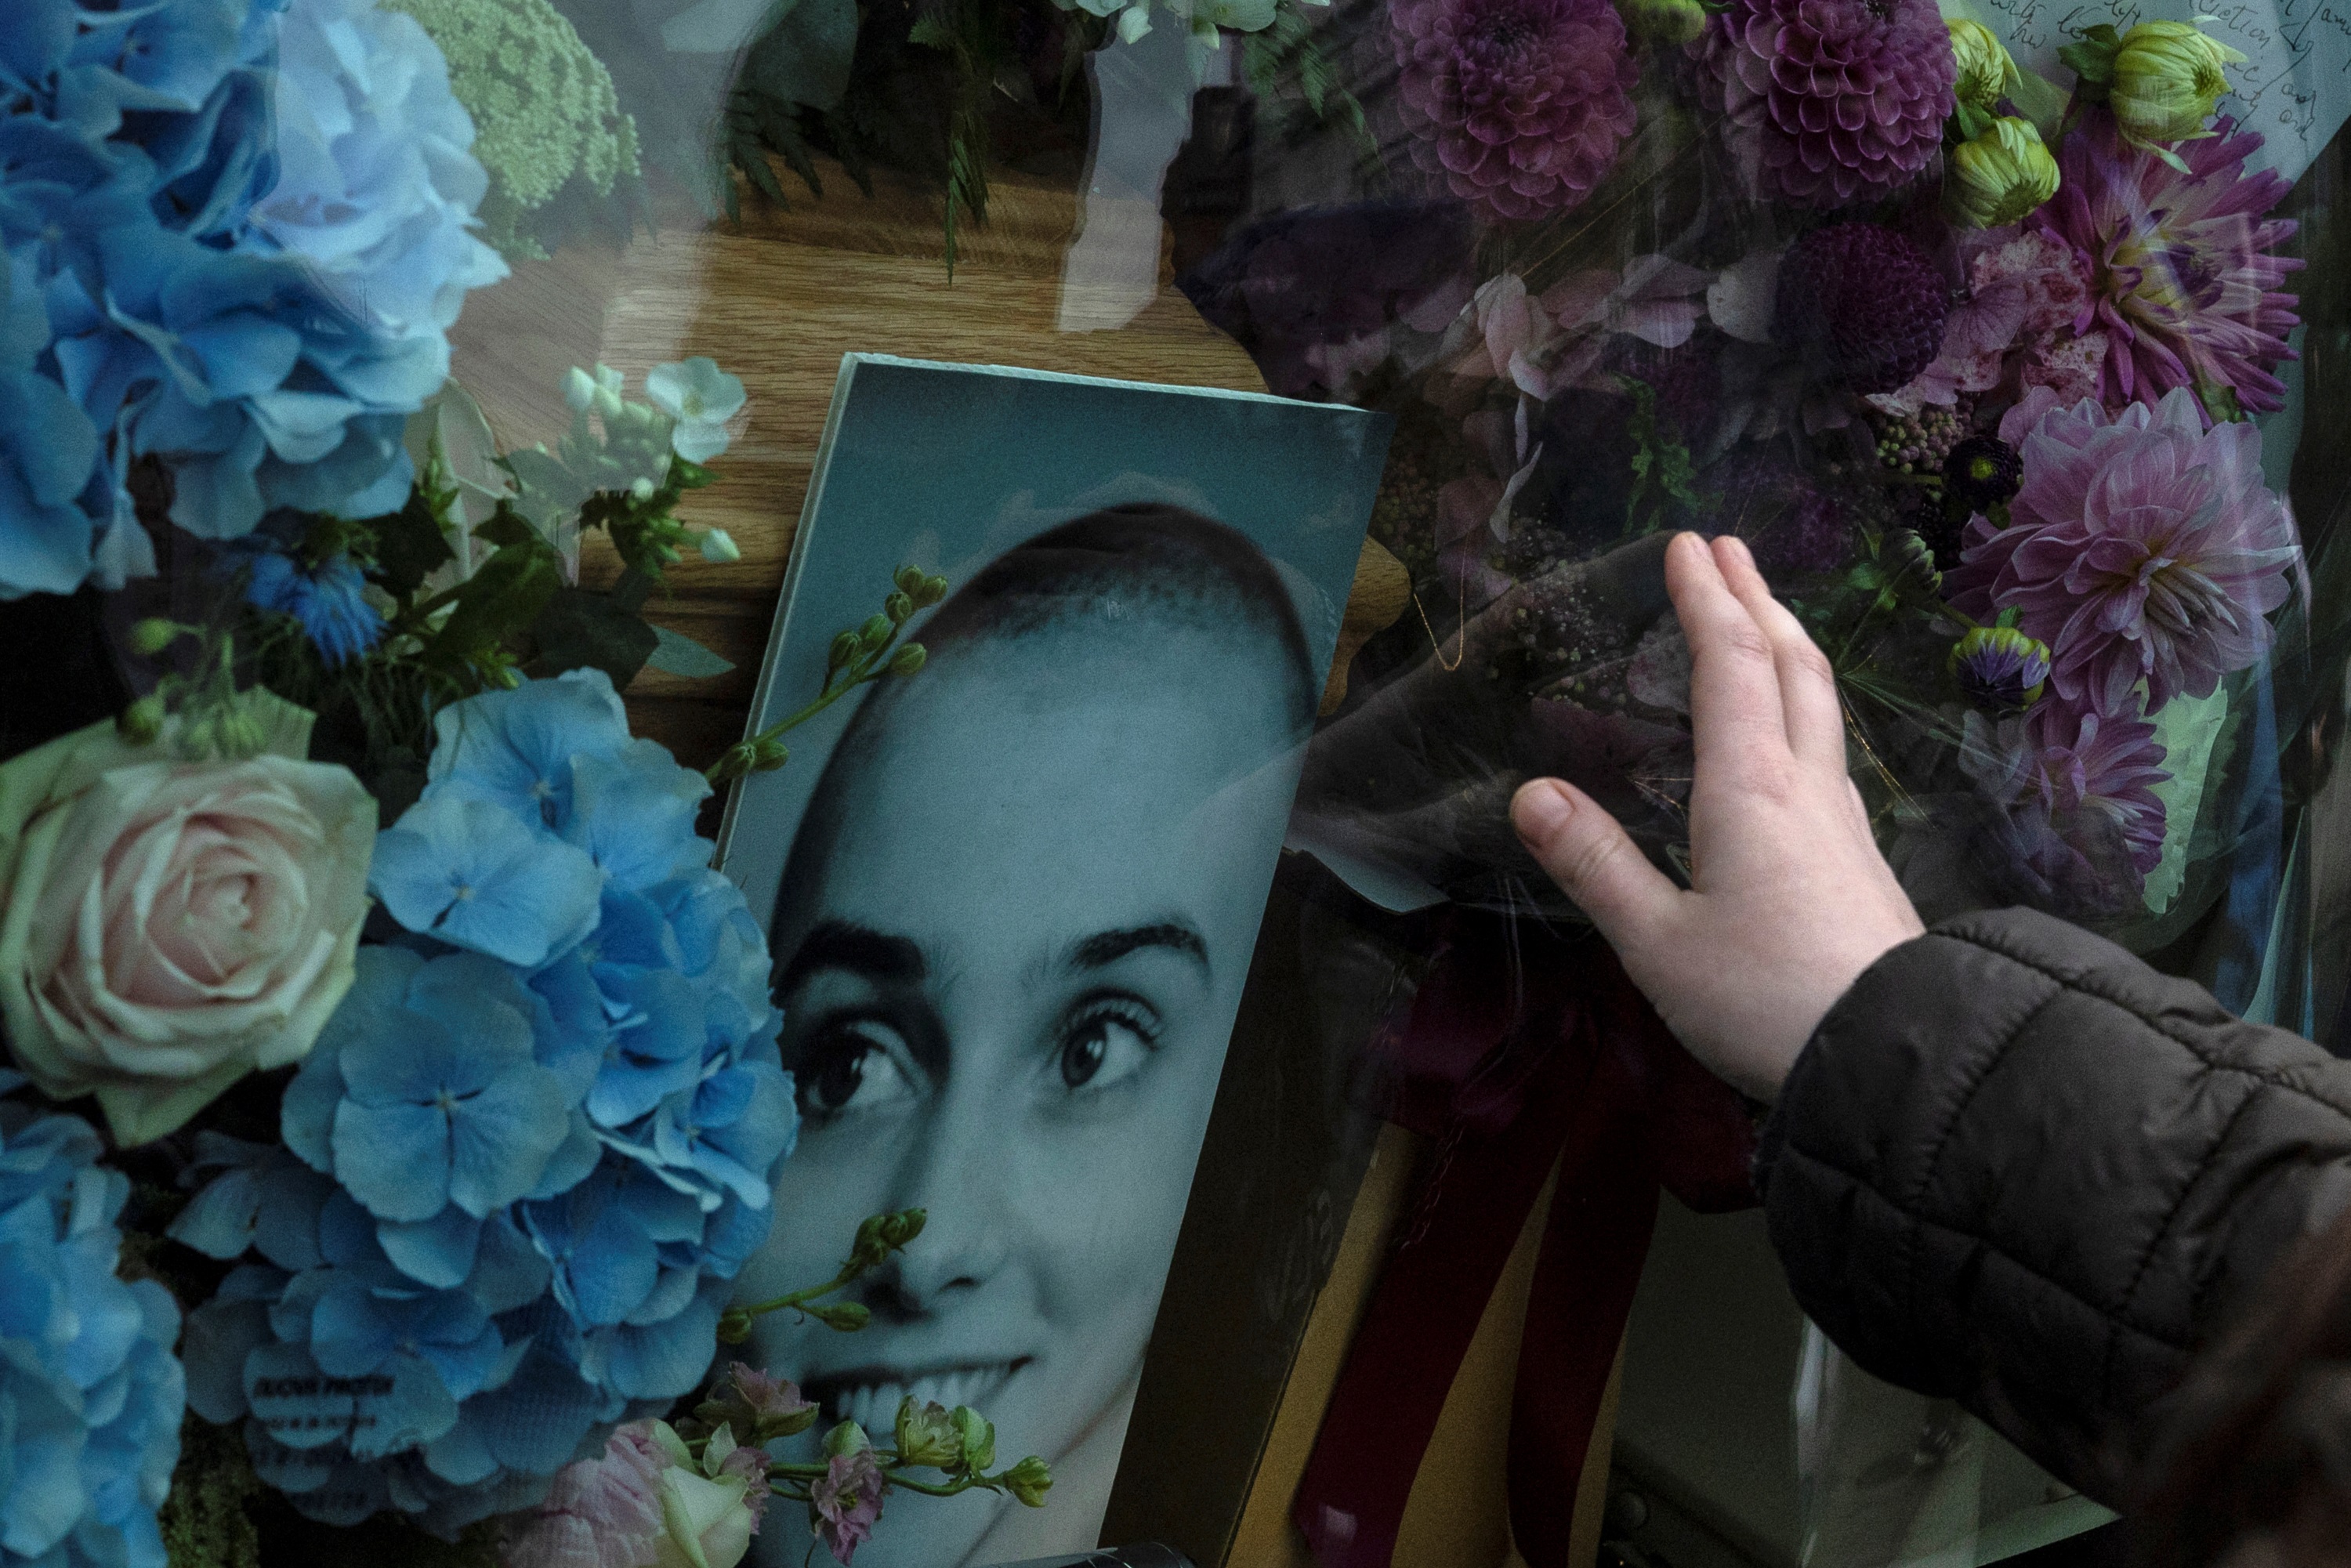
2187 728
584 631
676 655
497 603
410 546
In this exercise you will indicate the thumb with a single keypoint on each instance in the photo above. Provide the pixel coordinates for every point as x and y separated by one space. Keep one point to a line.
1593 858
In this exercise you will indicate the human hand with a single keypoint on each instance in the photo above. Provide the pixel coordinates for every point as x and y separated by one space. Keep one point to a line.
1791 900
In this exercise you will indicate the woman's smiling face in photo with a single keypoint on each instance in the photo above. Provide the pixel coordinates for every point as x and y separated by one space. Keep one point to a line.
1014 943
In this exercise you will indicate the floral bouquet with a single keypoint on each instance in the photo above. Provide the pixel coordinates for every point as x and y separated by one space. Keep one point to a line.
1974 362
395 1093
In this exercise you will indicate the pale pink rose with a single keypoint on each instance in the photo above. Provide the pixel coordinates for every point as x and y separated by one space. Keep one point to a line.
604 1512
168 926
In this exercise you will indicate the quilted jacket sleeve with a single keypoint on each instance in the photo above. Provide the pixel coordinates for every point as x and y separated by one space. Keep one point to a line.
2019 1169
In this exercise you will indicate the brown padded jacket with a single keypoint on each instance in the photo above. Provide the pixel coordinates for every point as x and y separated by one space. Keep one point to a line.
2018 1168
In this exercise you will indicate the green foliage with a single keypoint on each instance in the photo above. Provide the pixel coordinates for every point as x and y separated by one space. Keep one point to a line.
971 35
1662 470
1286 60
548 128
204 1518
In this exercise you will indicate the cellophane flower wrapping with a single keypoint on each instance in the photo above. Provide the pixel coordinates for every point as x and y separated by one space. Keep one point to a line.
1772 314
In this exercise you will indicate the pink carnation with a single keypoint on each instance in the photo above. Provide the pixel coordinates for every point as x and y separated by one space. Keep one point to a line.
1520 104
604 1513
1829 102
2015 328
2183 277
2141 548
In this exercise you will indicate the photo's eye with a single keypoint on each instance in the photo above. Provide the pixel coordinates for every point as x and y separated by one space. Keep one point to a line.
858 1065
1106 1043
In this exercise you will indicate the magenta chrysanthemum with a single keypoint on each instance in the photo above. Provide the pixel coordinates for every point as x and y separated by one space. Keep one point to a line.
2143 548
2182 277
1828 102
1520 104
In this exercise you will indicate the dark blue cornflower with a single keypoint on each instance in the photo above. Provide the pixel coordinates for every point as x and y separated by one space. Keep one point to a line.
329 599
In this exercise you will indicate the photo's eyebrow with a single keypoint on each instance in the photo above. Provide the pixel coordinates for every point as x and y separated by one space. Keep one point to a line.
860 949
1106 947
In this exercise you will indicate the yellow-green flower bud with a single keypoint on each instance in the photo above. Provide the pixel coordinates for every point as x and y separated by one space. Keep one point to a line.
1987 74
2167 78
909 659
1030 1481
151 637
978 1435
1999 176
143 721
927 1436
1662 22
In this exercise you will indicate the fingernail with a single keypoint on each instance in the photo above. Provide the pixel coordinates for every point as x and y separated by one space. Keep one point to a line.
1739 547
1540 809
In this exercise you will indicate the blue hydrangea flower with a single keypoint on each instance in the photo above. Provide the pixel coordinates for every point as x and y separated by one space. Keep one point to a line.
90 1400
238 231
473 875
528 1155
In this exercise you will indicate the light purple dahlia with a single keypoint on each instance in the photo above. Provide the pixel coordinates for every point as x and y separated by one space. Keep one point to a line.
2182 276
1828 102
2082 779
1520 104
2143 547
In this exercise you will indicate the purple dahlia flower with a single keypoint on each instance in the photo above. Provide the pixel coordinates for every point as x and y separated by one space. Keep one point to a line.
2182 276
1829 102
1866 300
2088 777
2146 548
1520 104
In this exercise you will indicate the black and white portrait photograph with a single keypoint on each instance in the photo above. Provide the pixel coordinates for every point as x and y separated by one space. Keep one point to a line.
1013 882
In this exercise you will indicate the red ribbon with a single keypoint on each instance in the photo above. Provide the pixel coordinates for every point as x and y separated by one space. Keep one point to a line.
1524 1048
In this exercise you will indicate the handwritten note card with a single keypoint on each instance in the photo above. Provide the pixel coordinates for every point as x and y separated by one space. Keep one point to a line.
2294 88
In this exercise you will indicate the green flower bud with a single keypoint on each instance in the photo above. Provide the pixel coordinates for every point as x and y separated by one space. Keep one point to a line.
733 1326
1662 22
874 633
2000 668
1999 176
848 1317
899 607
927 1436
719 546
908 659
1909 563
143 721
849 1437
844 648
241 732
907 580
2167 78
1030 1481
151 637
768 754
735 762
1987 74
882 1234
977 1435
932 590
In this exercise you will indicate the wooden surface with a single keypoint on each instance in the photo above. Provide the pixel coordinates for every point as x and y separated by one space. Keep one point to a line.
776 301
